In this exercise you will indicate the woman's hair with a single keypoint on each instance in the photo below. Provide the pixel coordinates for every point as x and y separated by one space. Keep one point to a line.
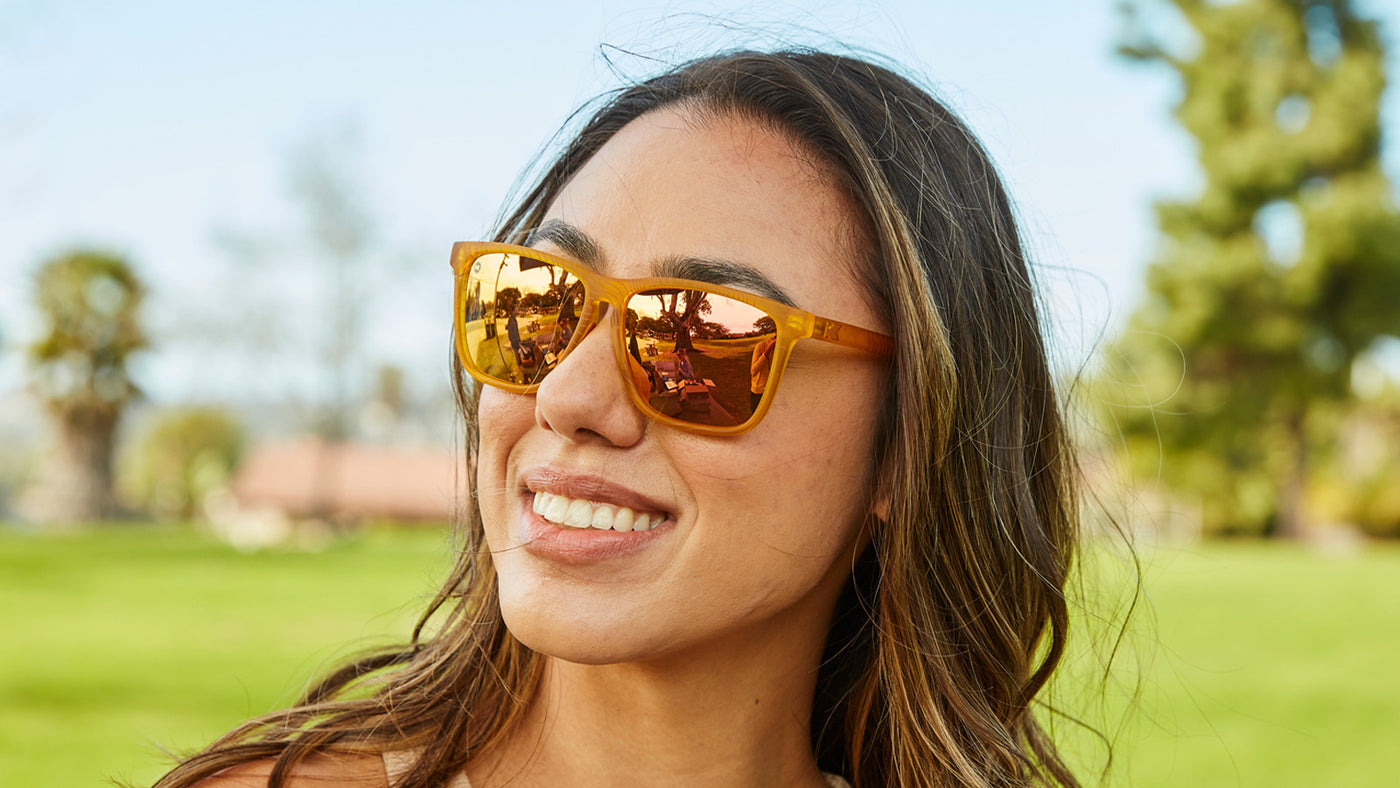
955 616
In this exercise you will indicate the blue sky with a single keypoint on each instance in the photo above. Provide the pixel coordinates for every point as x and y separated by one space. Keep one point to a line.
154 128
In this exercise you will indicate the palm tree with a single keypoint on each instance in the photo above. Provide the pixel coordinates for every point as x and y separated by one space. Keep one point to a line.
91 302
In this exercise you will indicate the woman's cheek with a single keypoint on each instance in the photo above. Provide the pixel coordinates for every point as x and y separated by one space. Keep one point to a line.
503 419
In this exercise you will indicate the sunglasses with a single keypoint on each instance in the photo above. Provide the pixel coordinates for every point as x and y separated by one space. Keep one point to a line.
695 355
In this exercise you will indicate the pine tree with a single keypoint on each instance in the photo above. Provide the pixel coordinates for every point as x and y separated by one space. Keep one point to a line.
1279 274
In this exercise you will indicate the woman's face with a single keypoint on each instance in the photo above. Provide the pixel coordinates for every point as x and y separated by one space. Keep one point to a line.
748 534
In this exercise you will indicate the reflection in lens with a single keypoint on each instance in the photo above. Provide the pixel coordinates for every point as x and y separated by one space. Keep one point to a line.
693 355
707 357
519 315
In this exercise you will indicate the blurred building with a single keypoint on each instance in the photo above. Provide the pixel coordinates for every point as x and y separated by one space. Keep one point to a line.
309 478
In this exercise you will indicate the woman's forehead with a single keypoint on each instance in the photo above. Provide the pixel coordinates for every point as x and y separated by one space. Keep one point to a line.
671 186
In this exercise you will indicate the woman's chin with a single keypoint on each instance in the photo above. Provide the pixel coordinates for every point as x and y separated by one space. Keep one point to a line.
577 644
580 632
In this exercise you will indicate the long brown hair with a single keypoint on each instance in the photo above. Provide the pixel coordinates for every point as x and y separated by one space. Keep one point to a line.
955 618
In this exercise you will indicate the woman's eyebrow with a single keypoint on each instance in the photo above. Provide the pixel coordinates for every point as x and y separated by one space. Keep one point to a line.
573 241
723 272
577 244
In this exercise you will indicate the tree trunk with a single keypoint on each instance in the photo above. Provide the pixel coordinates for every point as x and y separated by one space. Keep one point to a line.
1292 508
79 484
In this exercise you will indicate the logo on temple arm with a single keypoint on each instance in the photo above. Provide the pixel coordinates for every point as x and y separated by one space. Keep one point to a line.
828 330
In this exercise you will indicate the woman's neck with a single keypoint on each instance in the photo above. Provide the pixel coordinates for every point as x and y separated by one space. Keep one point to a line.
735 712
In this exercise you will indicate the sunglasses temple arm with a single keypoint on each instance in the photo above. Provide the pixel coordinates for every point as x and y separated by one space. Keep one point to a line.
851 336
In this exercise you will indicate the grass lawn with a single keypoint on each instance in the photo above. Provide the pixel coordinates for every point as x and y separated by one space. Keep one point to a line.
1262 665
122 641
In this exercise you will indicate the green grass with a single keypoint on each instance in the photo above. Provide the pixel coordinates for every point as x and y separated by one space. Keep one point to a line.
1259 665
1262 665
123 641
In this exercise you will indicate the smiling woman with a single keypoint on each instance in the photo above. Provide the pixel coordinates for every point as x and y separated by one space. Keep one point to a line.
771 485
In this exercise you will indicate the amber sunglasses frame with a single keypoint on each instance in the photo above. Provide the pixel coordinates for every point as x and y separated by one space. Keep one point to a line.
599 289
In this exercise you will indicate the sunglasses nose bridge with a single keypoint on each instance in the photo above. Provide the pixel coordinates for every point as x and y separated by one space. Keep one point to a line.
603 310
596 310
607 303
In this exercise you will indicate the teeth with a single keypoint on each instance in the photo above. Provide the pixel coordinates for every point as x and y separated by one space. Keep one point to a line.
580 513
624 520
554 512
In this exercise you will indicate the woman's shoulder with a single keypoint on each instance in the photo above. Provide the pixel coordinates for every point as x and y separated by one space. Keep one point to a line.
316 771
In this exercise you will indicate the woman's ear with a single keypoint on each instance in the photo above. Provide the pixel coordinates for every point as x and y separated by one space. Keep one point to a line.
880 507
881 499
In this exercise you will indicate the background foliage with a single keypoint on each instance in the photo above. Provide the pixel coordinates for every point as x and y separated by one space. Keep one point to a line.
79 370
183 455
1237 371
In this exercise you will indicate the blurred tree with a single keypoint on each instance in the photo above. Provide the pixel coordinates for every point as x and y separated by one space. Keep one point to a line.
339 228
1359 488
298 310
389 389
91 302
1283 270
184 455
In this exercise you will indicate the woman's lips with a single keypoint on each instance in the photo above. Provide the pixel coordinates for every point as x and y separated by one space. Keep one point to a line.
584 519
566 545
588 487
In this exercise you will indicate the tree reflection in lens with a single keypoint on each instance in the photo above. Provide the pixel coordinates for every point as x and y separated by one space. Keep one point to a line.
691 354
700 348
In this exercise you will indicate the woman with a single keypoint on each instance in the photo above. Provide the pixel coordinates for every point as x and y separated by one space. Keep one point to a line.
856 576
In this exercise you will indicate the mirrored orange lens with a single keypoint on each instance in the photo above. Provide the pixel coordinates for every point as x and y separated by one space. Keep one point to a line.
706 357
519 315
695 356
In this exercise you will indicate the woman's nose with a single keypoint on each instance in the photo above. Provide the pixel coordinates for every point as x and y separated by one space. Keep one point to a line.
585 397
